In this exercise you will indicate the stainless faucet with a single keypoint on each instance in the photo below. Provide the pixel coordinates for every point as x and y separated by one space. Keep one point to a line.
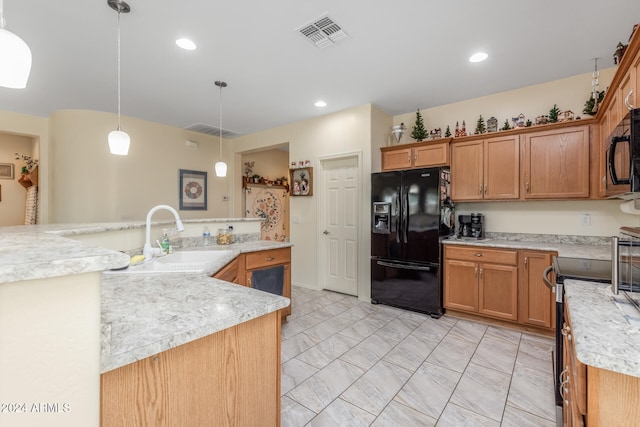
148 251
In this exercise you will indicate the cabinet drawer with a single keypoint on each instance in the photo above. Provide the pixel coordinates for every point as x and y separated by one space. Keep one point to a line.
265 258
478 254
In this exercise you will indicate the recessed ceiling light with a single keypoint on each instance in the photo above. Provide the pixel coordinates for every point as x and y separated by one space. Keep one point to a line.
478 57
320 104
186 44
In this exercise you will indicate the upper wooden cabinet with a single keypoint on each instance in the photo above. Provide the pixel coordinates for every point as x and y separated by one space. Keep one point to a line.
486 169
555 164
416 155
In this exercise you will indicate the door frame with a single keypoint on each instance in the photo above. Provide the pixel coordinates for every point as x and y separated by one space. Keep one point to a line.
322 197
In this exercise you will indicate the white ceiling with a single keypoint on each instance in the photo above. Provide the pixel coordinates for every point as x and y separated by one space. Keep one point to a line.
400 55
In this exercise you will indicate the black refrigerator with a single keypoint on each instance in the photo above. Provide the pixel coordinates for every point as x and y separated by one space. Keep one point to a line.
411 212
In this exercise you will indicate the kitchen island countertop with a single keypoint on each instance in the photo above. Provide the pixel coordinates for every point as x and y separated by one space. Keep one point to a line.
604 337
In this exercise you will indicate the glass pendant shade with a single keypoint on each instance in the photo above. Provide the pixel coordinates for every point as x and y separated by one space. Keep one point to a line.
119 142
221 169
15 57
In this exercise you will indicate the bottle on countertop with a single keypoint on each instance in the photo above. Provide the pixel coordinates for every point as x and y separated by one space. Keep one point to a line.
165 243
206 237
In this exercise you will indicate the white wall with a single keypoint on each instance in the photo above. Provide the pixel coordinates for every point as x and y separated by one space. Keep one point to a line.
50 350
569 94
348 131
91 185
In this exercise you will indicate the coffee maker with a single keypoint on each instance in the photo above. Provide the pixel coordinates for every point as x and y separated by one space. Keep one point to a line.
471 226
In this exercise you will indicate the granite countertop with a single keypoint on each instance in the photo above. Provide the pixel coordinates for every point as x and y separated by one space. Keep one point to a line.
567 246
604 336
145 314
39 251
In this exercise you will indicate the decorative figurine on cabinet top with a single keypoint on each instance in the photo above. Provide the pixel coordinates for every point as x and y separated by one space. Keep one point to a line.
492 124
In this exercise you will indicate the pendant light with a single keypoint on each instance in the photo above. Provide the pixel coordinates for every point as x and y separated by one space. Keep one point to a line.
221 167
118 139
15 57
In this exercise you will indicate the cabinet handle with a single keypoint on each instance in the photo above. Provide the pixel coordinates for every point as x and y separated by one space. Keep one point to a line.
475 273
477 254
526 263
561 388
270 258
415 157
480 274
626 100
485 189
526 186
480 190
566 332
409 157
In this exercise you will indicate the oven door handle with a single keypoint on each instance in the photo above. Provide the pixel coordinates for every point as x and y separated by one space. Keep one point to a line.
545 278
404 266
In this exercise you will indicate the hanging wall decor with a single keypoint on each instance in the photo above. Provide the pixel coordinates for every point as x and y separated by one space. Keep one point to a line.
301 180
7 171
193 190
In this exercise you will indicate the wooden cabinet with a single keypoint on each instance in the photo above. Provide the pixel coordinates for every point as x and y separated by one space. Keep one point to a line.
267 259
416 155
556 163
536 304
482 281
486 169
231 272
228 378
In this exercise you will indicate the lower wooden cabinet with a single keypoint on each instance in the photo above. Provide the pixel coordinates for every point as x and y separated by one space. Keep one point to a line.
503 284
230 378
481 280
536 301
241 269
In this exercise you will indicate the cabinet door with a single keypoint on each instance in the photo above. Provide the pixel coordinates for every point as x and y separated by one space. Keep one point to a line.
498 291
556 164
399 158
502 168
230 272
461 285
431 155
467 171
536 299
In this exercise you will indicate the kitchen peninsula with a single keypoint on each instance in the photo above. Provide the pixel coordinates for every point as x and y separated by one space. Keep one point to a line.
52 332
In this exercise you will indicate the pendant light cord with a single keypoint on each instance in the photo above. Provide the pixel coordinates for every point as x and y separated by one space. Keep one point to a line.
220 127
119 127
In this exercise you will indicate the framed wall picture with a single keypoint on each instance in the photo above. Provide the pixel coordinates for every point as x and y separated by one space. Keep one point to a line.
193 190
7 171
301 181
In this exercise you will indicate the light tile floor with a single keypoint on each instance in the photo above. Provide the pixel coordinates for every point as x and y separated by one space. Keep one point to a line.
346 362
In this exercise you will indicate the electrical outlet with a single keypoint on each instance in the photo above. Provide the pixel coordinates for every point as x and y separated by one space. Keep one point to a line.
585 220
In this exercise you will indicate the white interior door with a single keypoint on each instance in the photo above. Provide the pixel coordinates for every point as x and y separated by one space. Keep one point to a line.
340 220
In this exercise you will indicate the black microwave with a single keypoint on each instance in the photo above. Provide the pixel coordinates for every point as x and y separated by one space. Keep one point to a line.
623 160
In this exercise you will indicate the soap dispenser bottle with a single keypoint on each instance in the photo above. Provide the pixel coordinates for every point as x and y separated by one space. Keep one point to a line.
165 243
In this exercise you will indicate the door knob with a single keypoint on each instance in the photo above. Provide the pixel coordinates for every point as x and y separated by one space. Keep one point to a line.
325 232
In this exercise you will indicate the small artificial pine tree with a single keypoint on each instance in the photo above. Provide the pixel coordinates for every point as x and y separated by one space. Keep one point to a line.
506 125
419 132
447 133
480 127
553 114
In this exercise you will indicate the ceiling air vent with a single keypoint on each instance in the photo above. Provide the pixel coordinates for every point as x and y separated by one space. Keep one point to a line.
211 130
322 32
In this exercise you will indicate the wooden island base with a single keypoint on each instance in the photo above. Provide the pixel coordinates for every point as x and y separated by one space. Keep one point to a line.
230 378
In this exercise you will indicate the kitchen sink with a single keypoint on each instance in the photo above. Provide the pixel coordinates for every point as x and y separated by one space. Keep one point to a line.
183 262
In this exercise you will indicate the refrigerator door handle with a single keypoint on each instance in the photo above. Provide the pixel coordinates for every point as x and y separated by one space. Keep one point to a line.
405 214
397 203
403 266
